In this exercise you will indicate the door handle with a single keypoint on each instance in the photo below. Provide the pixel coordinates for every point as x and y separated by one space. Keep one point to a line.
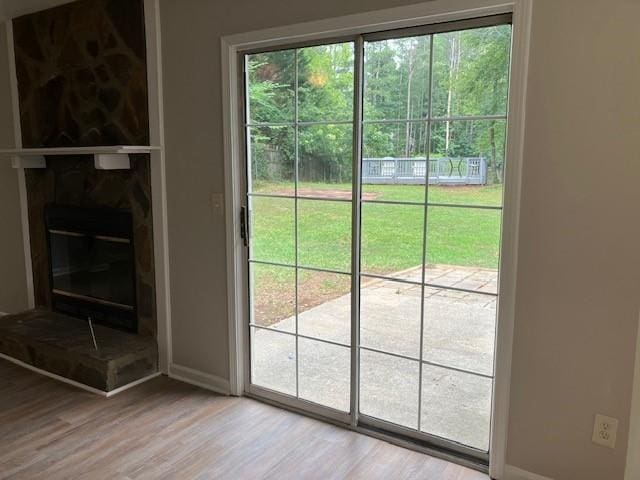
244 226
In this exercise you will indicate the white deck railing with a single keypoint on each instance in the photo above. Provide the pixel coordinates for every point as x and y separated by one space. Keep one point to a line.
444 171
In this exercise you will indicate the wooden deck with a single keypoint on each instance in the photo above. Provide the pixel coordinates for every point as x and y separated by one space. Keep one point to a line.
167 429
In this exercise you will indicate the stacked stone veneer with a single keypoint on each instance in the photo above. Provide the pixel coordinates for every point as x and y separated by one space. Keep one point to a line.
75 181
81 71
63 346
82 77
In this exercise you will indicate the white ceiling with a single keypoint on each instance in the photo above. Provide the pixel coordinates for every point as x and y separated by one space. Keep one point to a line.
15 8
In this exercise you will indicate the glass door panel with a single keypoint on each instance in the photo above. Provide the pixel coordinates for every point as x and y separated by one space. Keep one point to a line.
431 209
299 137
389 388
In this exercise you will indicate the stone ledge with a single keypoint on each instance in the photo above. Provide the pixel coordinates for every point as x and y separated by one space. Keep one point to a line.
62 345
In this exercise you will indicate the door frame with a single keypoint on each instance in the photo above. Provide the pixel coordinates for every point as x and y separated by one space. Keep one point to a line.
414 15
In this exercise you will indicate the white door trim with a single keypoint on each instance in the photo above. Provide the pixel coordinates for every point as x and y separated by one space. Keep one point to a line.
22 184
515 473
510 231
413 15
633 459
158 184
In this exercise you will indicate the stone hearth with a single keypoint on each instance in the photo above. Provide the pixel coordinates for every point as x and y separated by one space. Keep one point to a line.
62 345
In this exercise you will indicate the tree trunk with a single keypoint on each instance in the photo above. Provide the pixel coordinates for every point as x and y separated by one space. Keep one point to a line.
493 175
454 64
412 67
492 167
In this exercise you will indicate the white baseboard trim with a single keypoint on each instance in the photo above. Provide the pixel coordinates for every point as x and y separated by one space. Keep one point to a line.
515 473
132 384
199 379
73 383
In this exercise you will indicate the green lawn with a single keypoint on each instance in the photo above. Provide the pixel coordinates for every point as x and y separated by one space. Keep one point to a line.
471 195
392 235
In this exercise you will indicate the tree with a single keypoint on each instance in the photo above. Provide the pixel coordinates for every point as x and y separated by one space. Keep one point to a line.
469 77
483 85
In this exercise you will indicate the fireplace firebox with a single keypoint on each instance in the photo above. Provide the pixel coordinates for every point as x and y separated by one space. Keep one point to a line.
91 264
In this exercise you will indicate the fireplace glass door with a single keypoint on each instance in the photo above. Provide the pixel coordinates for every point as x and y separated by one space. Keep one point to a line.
92 264
92 267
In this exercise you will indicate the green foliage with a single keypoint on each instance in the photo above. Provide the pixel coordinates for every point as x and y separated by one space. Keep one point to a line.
315 84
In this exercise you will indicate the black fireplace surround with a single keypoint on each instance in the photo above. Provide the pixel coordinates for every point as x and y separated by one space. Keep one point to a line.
91 264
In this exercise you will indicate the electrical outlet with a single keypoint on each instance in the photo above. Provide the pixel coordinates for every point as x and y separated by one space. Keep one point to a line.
605 430
217 204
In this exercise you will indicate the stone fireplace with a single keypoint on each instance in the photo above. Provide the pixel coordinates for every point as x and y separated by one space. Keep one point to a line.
97 203
81 73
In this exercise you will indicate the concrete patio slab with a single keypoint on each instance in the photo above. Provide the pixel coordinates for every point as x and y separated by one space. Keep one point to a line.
459 332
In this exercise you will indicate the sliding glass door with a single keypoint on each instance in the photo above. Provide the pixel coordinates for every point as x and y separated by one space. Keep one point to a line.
299 140
375 168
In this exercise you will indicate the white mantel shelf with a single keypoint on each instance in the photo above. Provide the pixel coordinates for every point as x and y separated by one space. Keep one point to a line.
114 157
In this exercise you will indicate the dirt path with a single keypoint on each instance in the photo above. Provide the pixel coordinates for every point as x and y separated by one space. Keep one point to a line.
334 194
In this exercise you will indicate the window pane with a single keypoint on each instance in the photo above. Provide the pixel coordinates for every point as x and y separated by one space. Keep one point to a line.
459 329
394 165
271 86
273 296
468 237
272 160
324 373
392 239
405 140
456 406
471 72
324 306
273 363
413 193
470 278
389 388
272 229
390 316
325 161
324 234
396 79
325 83
468 155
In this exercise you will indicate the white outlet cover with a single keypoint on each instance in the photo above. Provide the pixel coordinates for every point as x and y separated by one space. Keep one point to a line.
605 430
217 203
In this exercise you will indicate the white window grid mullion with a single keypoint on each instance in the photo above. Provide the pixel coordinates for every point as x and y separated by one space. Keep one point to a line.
374 350
292 197
356 198
427 362
300 267
379 202
454 118
296 133
424 231
307 123
428 284
300 335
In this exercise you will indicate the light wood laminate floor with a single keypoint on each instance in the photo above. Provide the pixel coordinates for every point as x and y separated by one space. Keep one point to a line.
165 429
